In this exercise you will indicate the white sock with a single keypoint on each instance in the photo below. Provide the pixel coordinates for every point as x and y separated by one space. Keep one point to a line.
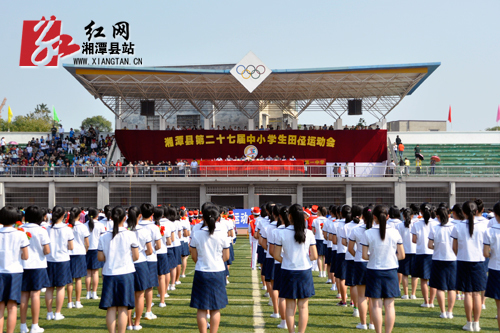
94 294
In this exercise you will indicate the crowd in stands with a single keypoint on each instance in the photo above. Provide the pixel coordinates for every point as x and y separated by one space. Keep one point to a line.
262 128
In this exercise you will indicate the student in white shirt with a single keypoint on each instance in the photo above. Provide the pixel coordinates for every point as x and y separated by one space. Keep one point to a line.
170 242
118 249
340 263
262 223
468 237
58 261
295 248
492 250
252 234
479 216
177 249
317 228
267 241
78 260
96 230
281 216
360 265
444 263
406 266
394 215
209 250
35 276
152 260
141 275
13 250
333 256
164 254
186 230
423 260
382 247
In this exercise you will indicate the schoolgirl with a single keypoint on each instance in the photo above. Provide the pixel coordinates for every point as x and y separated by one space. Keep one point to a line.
164 259
267 241
262 223
406 266
340 263
13 250
78 259
444 263
152 259
93 265
359 275
186 230
177 249
394 215
468 246
106 220
283 222
331 228
170 241
479 217
423 259
492 250
58 260
295 248
229 222
35 276
382 247
118 249
317 228
209 250
328 246
141 275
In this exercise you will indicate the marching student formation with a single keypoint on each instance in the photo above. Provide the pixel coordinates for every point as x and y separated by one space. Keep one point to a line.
371 250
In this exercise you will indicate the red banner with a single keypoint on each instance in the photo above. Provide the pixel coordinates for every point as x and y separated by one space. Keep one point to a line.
315 145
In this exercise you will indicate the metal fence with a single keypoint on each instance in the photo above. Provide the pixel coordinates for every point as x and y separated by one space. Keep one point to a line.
248 171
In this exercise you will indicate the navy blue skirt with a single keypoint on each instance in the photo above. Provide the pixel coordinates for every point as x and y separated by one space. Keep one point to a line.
269 269
328 255
406 266
117 290
493 284
163 266
78 265
209 291
59 273
360 273
321 247
423 266
141 277
340 266
486 264
443 275
153 273
349 276
177 256
470 276
333 263
277 276
185 249
261 256
35 279
382 283
231 253
171 259
92 262
10 287
296 284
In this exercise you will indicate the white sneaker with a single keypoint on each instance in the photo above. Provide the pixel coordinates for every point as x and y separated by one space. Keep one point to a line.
167 295
36 329
443 315
183 276
58 316
264 287
404 297
468 327
361 326
413 297
270 303
328 281
78 305
172 287
283 325
50 316
475 326
162 305
425 305
178 282
24 328
334 287
89 296
449 315
137 327
355 313
431 305
484 306
338 296
94 295
275 315
130 328
152 304
266 294
208 316
150 316
371 327
227 281
71 305
43 290
158 295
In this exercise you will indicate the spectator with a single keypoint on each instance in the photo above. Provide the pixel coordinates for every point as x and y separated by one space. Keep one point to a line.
335 170
181 165
292 158
407 166
401 149
53 130
433 166
392 167
194 168
2 142
398 140
61 131
418 164
395 147
417 150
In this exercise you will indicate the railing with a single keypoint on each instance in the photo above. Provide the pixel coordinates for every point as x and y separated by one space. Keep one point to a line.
250 171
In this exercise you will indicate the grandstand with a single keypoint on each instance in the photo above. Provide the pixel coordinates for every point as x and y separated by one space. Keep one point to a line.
458 154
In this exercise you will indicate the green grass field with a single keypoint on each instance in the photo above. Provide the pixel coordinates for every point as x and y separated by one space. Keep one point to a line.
239 315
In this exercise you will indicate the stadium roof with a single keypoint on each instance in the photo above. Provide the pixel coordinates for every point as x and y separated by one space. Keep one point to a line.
293 90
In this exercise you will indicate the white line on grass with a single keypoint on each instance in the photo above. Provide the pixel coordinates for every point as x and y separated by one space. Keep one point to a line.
258 319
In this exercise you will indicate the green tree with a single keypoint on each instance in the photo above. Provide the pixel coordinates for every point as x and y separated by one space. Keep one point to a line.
39 120
361 122
97 121
496 128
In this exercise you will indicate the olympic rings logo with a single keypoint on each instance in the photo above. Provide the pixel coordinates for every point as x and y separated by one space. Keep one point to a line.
250 71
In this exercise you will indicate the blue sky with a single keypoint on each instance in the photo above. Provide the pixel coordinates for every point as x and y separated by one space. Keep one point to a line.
463 35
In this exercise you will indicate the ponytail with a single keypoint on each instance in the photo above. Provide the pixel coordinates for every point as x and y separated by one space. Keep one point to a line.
414 209
357 211
117 214
157 215
276 214
433 212
394 212
133 215
107 212
380 212
57 213
74 212
92 215
457 209
442 214
368 216
426 212
210 216
470 210
407 217
284 216
346 213
496 209
480 206
299 223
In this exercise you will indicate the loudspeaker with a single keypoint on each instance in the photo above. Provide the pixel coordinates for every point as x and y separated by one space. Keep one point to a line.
148 108
354 107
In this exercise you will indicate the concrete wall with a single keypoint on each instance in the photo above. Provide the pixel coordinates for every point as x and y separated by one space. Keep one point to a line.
416 126
447 137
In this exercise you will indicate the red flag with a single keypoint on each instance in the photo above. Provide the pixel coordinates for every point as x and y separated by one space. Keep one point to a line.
498 114
449 115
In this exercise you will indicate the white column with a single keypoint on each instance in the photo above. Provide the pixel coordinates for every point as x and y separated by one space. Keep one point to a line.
338 124
206 123
348 194
162 124
453 194
300 194
295 123
383 124
251 125
52 194
154 194
203 196
2 194
102 194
